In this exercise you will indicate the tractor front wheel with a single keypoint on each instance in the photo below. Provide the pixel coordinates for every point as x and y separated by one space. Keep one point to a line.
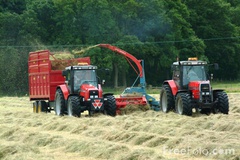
166 99
183 104
59 103
110 107
74 108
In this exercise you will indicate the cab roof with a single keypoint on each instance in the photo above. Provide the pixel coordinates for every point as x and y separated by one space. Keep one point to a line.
81 67
190 63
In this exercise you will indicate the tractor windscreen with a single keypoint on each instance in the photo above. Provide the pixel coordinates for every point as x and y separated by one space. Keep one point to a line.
85 77
194 73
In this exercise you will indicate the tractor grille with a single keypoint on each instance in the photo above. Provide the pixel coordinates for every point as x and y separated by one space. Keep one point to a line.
93 94
205 87
205 93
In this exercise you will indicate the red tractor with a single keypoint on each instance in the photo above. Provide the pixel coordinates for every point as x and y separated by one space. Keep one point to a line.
82 91
190 88
71 91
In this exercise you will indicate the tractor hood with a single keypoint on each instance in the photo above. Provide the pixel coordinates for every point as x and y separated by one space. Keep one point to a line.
87 90
194 85
87 87
199 86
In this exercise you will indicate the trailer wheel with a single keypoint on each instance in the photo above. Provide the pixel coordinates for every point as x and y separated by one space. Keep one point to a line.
35 104
73 107
183 104
222 104
59 103
110 107
166 99
42 107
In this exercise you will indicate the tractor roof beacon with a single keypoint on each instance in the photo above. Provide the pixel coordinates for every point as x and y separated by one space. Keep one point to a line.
190 88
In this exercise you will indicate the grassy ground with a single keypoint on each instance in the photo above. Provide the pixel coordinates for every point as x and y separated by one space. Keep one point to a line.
142 135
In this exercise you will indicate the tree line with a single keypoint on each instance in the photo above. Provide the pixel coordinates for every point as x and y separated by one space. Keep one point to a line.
157 31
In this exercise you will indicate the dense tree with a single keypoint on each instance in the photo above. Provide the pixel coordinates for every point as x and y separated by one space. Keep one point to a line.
84 22
13 6
127 43
41 14
212 22
156 31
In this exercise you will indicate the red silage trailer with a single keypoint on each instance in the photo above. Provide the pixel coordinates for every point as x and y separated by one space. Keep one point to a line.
45 74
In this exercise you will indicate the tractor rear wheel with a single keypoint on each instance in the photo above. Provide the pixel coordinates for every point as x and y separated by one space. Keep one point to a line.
183 104
223 103
59 103
166 99
74 108
110 107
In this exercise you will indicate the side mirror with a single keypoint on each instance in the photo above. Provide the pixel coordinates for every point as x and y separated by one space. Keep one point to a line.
64 73
211 77
216 67
103 81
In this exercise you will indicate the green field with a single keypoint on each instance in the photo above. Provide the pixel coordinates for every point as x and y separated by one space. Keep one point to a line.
229 87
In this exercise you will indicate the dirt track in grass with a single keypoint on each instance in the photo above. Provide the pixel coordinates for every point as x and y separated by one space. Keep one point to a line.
137 136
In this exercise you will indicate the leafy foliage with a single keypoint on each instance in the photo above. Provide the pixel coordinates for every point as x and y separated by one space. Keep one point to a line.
155 31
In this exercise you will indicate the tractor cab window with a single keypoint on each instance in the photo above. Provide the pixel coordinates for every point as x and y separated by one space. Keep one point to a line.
84 77
193 73
176 74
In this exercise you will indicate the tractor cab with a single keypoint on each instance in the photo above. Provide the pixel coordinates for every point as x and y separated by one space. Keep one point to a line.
185 72
80 76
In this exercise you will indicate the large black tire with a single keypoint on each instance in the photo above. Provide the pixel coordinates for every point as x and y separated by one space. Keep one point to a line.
183 104
59 103
166 99
110 107
223 103
73 106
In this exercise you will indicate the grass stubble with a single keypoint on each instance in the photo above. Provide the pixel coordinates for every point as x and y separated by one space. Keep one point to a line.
138 134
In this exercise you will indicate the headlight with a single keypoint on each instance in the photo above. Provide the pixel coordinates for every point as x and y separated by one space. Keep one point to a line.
93 96
205 93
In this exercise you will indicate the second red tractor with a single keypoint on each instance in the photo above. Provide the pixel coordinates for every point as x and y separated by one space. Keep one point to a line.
190 89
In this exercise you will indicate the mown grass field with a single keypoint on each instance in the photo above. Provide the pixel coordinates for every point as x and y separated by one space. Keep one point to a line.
137 136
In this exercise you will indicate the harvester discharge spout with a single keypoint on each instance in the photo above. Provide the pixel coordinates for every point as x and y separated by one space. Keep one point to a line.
135 92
